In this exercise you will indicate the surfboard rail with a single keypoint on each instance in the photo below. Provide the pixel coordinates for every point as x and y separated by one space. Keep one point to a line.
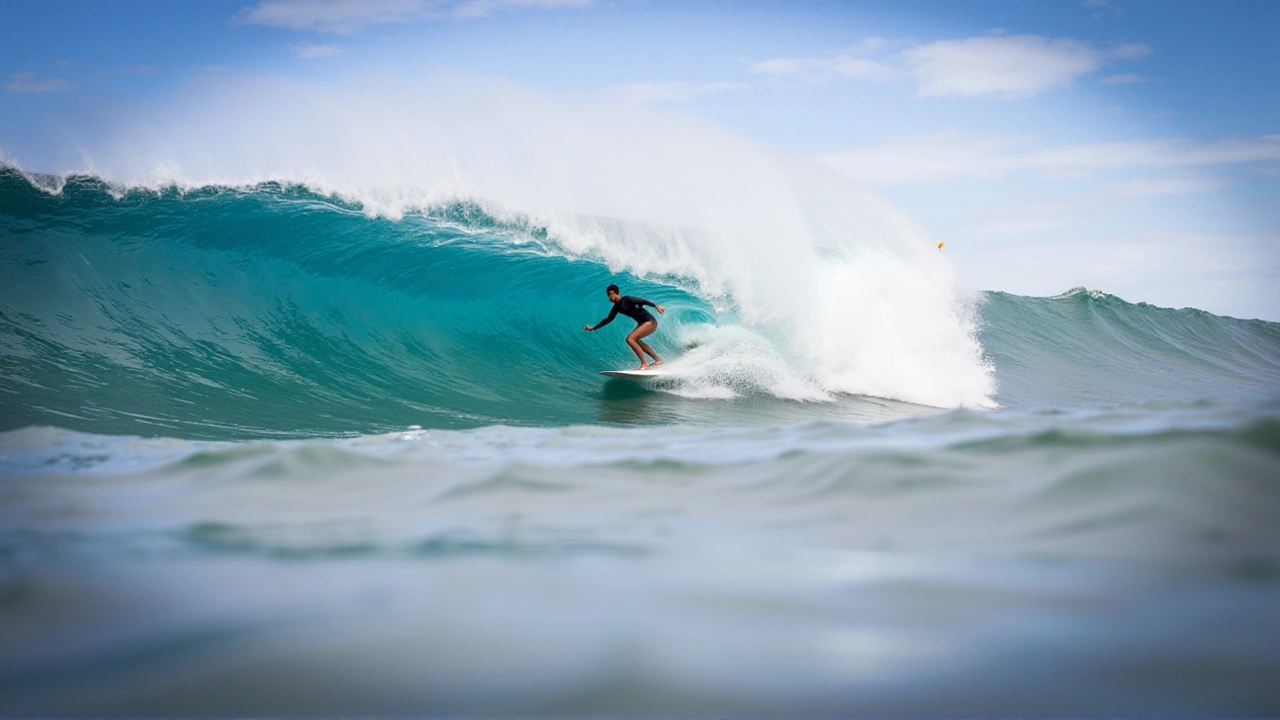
632 374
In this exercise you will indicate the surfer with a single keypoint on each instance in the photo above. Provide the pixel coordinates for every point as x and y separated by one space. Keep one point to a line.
633 307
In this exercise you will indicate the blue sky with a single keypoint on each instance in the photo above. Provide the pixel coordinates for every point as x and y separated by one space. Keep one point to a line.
1129 146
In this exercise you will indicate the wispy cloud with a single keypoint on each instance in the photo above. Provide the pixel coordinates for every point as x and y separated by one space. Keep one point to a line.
1124 79
481 8
311 52
1010 66
851 62
350 16
337 16
645 92
993 65
924 159
29 82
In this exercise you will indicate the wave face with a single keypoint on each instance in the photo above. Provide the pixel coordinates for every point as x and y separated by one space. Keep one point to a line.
1088 348
274 311
278 311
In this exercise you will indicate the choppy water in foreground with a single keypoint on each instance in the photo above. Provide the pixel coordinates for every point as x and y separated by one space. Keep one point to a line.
262 454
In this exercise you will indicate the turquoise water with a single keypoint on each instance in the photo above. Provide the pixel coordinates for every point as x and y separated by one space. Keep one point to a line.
264 453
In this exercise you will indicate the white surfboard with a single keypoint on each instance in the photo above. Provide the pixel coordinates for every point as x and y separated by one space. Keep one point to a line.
632 374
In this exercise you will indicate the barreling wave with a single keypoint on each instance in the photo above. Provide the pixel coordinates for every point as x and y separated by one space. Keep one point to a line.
274 310
277 311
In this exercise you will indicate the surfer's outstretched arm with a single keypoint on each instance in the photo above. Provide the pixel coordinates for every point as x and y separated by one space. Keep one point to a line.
612 314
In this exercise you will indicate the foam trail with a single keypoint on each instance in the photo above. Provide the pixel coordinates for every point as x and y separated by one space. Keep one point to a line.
844 286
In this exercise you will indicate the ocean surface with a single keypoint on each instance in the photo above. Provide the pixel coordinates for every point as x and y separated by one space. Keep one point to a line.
264 451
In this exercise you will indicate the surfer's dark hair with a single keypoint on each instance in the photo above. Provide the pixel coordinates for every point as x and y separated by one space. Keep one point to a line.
612 288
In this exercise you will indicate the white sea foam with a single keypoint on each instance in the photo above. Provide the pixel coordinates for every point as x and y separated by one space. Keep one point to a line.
732 361
849 293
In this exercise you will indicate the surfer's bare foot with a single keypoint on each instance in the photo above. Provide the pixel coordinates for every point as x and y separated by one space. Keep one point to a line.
657 362
644 366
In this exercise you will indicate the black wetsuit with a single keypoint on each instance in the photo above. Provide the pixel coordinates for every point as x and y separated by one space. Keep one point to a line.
632 307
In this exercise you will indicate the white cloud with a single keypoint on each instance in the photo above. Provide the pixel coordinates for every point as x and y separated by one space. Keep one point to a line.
480 8
29 82
991 65
819 69
644 92
1009 66
861 67
349 16
1124 79
923 159
852 62
310 52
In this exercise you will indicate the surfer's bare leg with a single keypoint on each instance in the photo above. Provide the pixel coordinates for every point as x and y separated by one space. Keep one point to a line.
639 348
635 348
645 347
